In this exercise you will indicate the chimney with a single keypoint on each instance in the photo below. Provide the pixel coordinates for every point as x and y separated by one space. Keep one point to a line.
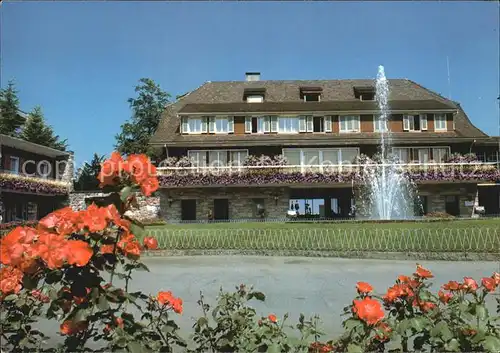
252 76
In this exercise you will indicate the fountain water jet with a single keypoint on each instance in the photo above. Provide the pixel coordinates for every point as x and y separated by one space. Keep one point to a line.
388 192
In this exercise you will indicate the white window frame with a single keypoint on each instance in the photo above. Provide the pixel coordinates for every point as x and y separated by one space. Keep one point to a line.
411 153
308 94
248 124
16 159
377 123
185 126
324 123
221 120
441 117
309 123
358 119
207 160
409 122
289 124
320 152
423 122
328 123
255 98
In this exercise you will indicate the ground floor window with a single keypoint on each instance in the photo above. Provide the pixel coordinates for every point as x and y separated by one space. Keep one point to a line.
259 209
308 207
188 210
421 205
221 209
452 206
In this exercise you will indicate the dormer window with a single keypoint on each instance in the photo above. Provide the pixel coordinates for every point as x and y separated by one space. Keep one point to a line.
364 93
254 95
255 99
311 94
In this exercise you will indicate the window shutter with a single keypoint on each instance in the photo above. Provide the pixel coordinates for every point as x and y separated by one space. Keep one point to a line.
356 123
423 122
230 124
184 125
309 123
406 123
204 125
302 124
274 124
328 123
211 124
266 124
248 125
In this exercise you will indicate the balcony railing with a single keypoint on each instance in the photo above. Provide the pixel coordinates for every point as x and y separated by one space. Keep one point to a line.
10 180
339 173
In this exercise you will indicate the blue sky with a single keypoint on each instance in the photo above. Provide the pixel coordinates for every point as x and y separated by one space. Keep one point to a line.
80 61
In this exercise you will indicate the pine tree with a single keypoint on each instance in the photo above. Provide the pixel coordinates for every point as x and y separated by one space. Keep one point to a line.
147 109
37 131
87 175
10 119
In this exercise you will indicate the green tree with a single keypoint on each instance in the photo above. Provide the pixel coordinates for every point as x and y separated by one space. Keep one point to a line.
10 119
147 108
36 130
87 175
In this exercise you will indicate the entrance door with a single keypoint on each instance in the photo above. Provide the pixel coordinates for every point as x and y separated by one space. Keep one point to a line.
221 209
452 206
188 210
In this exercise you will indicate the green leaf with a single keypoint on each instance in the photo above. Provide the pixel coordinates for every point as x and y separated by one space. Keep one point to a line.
202 321
257 295
10 297
134 347
481 312
492 344
102 303
354 348
452 346
351 324
141 267
418 323
137 230
274 348
81 315
125 193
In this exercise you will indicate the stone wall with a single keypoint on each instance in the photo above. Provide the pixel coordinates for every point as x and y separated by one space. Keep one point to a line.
436 196
148 206
242 202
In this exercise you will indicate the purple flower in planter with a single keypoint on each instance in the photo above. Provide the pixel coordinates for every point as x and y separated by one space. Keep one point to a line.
19 183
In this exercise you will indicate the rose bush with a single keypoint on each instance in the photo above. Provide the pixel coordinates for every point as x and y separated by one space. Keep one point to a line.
75 267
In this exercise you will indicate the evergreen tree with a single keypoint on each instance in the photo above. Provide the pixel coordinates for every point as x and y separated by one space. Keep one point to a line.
87 175
37 131
10 119
147 109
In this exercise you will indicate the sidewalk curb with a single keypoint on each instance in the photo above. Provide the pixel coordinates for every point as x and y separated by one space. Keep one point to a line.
444 256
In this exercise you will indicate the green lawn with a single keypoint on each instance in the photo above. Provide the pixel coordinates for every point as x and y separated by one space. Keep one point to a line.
426 224
442 236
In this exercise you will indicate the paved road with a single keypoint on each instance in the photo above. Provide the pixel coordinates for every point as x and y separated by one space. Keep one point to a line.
295 285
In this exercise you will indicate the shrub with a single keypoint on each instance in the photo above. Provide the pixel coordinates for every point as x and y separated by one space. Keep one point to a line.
438 215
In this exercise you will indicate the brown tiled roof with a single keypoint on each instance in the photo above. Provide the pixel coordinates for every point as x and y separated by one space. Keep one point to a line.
404 94
332 106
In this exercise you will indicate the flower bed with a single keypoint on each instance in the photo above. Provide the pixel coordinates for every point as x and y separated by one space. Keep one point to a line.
35 185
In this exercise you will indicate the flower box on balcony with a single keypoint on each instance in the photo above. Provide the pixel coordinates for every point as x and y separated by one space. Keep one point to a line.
20 183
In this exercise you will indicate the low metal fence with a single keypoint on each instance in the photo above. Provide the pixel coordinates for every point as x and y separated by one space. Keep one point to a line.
477 239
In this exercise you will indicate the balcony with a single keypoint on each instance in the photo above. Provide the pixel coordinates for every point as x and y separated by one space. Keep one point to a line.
340 174
17 182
